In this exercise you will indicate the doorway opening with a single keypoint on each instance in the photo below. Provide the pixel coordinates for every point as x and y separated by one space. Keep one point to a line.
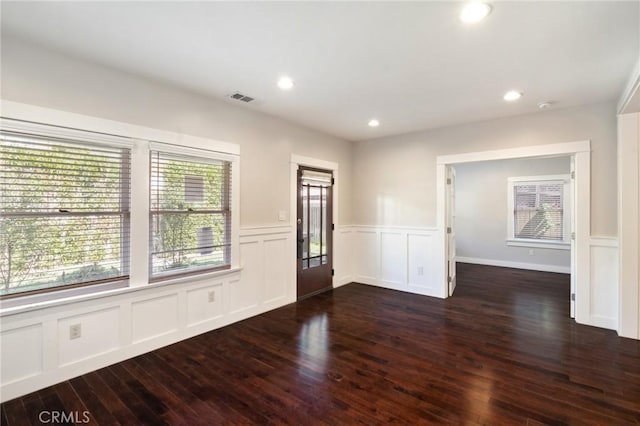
513 213
579 152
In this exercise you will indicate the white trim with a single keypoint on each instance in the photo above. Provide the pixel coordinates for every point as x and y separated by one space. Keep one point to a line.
566 214
412 229
557 149
581 152
50 130
5 312
516 265
540 179
191 152
631 90
36 114
301 160
546 244
595 241
265 230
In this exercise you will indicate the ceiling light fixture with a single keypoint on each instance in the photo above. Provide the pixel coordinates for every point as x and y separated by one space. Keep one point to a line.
474 12
512 95
374 123
285 83
545 104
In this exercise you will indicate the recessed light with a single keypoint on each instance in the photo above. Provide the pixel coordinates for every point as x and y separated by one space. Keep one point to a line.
285 83
512 95
374 123
474 12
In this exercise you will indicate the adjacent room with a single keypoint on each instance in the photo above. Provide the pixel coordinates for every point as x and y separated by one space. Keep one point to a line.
319 212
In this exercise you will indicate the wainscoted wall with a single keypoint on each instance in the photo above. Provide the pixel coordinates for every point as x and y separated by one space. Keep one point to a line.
37 349
397 258
344 256
36 345
406 259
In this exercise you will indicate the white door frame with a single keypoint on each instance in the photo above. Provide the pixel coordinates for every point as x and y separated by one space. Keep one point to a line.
296 162
581 152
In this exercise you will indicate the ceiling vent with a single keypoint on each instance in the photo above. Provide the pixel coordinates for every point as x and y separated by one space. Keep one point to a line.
240 97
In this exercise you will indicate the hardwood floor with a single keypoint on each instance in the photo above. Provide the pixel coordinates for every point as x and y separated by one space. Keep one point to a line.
502 350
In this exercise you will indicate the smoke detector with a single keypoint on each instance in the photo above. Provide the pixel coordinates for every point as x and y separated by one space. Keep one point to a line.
545 104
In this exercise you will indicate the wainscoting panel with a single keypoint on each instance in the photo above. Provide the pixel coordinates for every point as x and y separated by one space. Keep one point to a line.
422 275
154 317
204 304
344 256
21 353
276 269
94 338
393 253
241 295
603 297
367 248
397 258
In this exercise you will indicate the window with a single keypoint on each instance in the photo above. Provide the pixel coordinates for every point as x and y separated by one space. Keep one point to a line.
64 212
538 209
190 213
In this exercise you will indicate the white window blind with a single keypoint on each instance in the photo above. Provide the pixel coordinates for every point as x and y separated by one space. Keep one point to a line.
64 213
190 214
538 210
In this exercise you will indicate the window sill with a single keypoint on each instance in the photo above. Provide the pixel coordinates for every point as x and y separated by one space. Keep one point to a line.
29 305
554 245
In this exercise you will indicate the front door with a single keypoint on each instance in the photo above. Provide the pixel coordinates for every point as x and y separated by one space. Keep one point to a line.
314 231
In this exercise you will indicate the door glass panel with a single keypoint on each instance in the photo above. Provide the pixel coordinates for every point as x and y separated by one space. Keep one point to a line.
305 224
325 226
315 218
314 192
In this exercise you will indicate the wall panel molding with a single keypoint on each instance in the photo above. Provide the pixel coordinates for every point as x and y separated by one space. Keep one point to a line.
398 258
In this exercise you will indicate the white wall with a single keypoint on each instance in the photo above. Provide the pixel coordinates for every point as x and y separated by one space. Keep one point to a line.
482 216
35 347
37 76
395 177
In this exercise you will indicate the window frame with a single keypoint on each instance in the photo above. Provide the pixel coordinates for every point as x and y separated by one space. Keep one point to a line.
228 212
51 122
512 240
88 139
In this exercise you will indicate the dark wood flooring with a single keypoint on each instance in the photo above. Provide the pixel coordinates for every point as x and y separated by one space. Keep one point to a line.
501 351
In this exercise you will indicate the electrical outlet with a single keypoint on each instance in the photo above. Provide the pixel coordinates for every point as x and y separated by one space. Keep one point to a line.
282 215
212 296
75 331
531 252
420 270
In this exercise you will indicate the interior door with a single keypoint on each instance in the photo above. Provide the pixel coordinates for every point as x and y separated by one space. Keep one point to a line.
314 231
451 229
572 214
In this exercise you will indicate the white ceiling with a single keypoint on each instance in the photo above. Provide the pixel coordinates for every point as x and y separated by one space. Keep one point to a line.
412 65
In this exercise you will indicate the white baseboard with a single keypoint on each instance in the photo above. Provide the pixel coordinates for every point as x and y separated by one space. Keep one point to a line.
517 265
